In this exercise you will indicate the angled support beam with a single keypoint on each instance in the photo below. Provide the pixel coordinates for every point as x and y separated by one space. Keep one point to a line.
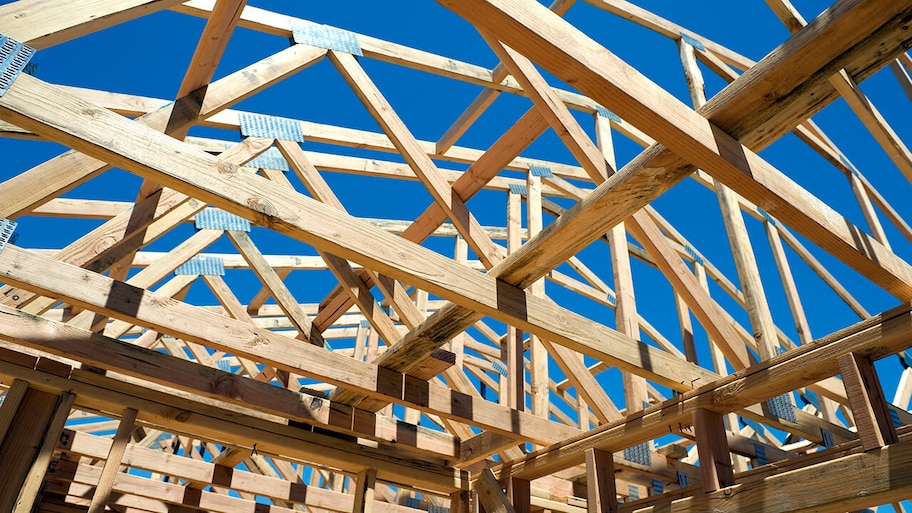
869 406
276 286
491 497
641 226
444 195
42 24
112 463
486 167
26 190
31 487
707 144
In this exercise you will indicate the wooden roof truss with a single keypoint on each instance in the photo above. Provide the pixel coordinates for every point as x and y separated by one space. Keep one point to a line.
425 377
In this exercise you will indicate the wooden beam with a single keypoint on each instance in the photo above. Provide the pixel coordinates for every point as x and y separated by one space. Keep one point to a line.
22 441
273 205
42 24
364 491
869 406
112 462
210 420
878 336
491 497
10 405
50 432
132 360
601 488
597 72
712 445
819 488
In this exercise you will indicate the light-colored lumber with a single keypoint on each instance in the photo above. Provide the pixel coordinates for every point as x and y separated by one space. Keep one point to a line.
112 461
31 487
593 69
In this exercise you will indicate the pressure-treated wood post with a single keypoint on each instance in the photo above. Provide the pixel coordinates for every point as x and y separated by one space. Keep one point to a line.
712 444
872 415
602 490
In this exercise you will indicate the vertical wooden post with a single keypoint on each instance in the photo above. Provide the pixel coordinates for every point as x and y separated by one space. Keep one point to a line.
20 445
39 466
10 405
112 463
520 493
364 491
538 355
602 489
515 393
460 502
625 313
872 415
712 445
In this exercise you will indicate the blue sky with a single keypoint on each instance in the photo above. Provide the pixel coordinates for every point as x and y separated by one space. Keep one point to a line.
149 56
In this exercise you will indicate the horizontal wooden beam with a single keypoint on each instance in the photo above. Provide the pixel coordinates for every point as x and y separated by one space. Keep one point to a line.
47 109
820 488
875 337
132 360
42 24
215 421
575 58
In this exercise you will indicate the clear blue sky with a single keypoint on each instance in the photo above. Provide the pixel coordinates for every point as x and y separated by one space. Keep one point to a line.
149 56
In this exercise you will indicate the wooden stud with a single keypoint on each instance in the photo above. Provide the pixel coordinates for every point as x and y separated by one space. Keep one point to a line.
113 461
869 406
31 487
601 488
712 444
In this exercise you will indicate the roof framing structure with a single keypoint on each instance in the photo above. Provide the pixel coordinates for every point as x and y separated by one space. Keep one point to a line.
438 360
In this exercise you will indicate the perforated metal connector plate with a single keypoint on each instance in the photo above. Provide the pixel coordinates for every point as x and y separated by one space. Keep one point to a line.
542 171
639 453
217 219
270 127
269 159
6 232
605 113
202 266
692 41
14 57
323 36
